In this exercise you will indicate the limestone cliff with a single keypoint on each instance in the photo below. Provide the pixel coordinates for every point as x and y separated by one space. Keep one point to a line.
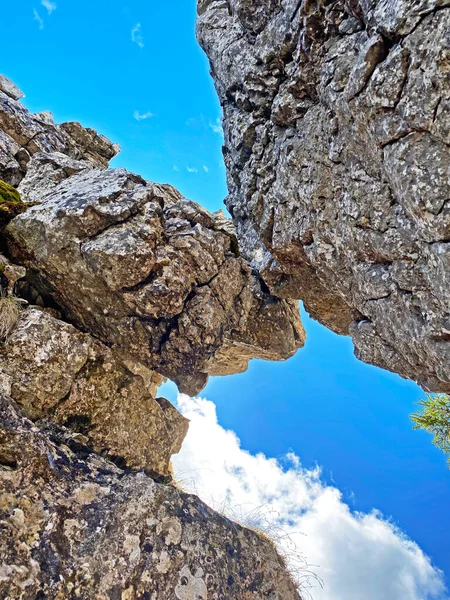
337 121
108 284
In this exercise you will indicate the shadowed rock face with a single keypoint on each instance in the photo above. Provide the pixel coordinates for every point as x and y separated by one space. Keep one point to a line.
149 272
76 526
337 120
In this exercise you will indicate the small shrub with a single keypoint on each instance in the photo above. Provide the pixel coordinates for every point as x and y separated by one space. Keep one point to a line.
9 315
434 417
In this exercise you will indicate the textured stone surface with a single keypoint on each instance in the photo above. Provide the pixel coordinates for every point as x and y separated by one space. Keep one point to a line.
9 88
59 374
9 275
337 128
148 271
122 282
74 525
22 134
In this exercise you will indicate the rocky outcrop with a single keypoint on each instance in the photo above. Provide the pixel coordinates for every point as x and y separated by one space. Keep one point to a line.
74 525
108 284
22 134
148 271
58 374
336 119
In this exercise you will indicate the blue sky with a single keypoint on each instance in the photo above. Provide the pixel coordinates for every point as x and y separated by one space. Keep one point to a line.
155 98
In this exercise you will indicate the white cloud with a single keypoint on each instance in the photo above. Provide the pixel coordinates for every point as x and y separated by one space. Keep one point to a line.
217 126
358 555
192 169
38 18
175 168
50 6
205 168
136 35
142 116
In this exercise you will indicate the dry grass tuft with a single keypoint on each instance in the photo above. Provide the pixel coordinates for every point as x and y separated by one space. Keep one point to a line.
9 315
268 525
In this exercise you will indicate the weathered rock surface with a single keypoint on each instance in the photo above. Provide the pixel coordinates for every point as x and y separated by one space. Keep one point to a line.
22 134
59 374
9 88
121 282
337 121
148 271
73 525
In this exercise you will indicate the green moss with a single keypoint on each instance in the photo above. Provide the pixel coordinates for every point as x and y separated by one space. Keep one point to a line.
11 203
8 194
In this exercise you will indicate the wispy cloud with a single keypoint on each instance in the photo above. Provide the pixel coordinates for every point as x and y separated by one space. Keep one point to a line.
38 18
192 169
142 116
136 35
175 168
50 6
358 555
217 126
205 168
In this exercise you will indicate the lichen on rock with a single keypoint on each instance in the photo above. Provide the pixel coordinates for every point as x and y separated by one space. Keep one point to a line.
56 373
74 525
336 121
123 282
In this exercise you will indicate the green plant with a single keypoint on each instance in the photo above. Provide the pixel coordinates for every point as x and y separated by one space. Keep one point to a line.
9 315
434 417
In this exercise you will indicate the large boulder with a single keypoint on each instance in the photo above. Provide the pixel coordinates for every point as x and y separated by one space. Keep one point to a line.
58 374
147 271
76 526
337 121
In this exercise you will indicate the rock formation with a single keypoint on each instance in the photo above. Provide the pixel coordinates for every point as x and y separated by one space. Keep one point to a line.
74 525
140 267
109 284
337 121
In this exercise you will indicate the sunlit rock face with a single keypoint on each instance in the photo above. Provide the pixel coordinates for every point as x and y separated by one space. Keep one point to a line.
58 374
22 134
110 283
337 121
148 271
74 525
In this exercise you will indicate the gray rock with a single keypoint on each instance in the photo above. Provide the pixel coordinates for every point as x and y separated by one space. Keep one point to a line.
337 124
22 134
76 526
10 88
128 282
56 373
148 272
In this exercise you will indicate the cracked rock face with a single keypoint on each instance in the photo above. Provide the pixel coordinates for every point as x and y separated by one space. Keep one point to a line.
56 373
337 120
76 526
22 134
121 282
149 272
